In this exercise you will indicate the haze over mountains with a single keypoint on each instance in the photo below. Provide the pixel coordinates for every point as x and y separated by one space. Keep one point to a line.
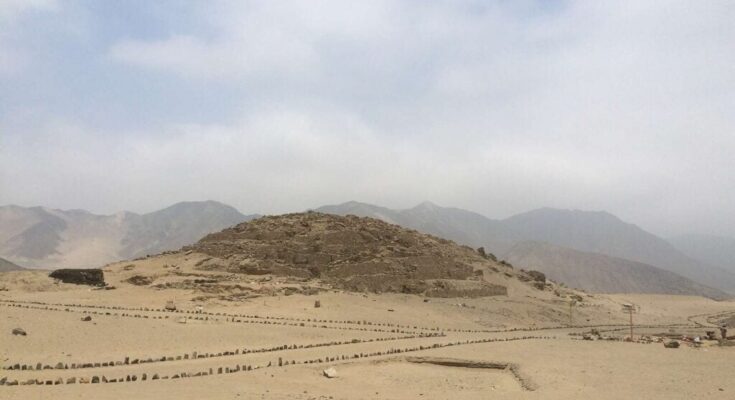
715 250
604 274
6 265
590 250
39 237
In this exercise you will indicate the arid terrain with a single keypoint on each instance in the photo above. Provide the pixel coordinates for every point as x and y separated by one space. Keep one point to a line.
268 308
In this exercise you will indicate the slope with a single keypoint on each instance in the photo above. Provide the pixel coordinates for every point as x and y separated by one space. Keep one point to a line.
6 266
604 274
601 232
715 250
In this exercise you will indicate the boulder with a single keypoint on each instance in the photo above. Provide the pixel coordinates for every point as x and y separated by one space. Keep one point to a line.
537 276
330 372
87 318
19 332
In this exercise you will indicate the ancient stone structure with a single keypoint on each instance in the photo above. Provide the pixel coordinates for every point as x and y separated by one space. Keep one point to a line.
91 277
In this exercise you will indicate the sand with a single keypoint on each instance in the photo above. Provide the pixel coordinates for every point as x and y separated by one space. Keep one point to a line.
357 334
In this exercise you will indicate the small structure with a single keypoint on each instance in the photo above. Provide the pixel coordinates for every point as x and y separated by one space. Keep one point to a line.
91 277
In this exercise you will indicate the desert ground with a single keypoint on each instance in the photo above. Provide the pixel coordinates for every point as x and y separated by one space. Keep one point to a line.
382 346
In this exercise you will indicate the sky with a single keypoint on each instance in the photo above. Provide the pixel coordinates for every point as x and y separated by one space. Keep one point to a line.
498 107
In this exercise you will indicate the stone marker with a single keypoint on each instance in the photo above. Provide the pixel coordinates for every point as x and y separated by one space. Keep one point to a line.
330 372
19 332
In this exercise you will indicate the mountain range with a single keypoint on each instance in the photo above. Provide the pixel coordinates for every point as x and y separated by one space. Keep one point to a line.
590 250
39 237
591 232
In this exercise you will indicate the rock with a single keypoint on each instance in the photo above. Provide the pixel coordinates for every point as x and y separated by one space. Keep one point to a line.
87 318
330 372
19 332
537 276
170 306
91 277
317 304
672 344
139 280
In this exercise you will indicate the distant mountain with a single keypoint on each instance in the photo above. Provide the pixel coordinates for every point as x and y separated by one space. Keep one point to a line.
604 233
44 238
715 250
584 231
604 274
6 266
459 225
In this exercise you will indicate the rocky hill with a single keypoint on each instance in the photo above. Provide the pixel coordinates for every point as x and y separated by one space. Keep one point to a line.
356 253
39 237
605 274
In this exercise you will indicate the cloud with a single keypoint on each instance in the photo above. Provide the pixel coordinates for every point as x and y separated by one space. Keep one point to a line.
11 9
14 58
497 107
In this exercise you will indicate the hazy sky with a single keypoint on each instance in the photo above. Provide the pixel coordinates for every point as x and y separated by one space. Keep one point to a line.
274 106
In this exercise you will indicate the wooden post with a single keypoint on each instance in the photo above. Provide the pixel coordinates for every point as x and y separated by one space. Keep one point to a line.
631 325
630 309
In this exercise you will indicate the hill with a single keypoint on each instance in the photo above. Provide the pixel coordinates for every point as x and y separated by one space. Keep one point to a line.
355 253
44 238
604 274
6 266
604 233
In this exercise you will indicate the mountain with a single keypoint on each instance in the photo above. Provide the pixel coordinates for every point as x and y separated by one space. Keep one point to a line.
604 274
583 231
45 238
715 250
462 226
604 233
6 266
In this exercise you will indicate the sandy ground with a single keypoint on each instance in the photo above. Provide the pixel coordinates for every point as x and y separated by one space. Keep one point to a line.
368 339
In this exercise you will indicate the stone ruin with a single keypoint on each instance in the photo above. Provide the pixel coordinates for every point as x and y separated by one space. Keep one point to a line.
91 277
